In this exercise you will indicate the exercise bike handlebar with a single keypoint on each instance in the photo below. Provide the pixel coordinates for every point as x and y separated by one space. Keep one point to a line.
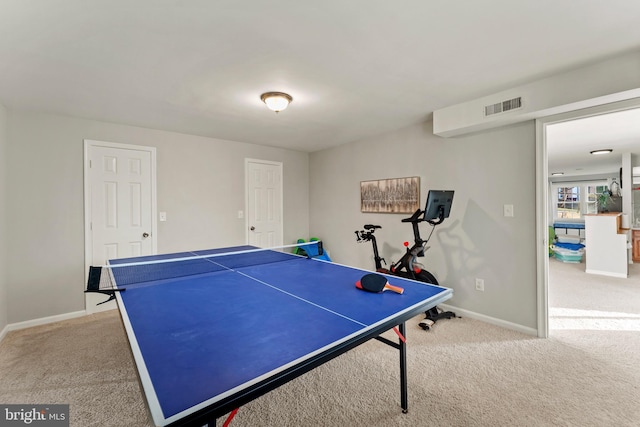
415 218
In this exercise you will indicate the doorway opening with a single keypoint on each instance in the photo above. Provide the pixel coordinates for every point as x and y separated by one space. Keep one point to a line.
544 210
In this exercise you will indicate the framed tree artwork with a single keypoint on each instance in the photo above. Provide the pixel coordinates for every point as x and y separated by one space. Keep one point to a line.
393 195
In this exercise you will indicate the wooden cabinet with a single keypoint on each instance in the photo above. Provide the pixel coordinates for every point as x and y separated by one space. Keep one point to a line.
636 245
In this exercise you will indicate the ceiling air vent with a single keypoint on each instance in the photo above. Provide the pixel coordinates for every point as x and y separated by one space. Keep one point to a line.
504 106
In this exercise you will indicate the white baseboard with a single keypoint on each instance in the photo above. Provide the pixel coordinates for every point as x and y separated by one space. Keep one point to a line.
51 319
4 332
446 307
607 273
491 320
41 321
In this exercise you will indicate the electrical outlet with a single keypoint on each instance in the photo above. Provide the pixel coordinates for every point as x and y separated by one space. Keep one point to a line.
479 284
507 210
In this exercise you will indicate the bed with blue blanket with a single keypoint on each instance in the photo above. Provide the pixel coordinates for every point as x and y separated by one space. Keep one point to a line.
568 248
566 225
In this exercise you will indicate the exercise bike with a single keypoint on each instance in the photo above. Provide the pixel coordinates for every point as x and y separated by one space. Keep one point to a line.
437 209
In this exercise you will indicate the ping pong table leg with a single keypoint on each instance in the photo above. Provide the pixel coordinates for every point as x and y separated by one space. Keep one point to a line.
402 347
404 400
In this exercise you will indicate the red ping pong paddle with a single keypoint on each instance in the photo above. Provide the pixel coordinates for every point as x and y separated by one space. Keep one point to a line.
373 282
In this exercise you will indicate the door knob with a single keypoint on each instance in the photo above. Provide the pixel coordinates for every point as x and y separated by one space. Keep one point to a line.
252 228
145 235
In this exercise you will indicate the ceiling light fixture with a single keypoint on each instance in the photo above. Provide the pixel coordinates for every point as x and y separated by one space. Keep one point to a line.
276 101
605 151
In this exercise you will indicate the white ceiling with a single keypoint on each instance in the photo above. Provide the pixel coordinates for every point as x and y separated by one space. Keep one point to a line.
355 68
569 144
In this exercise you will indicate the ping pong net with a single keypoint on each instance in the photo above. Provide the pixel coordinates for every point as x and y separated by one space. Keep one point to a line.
119 274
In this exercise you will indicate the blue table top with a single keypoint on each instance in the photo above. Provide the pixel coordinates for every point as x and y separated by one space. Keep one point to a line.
201 338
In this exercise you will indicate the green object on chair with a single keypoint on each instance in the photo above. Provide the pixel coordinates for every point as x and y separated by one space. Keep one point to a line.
313 250
298 250
552 238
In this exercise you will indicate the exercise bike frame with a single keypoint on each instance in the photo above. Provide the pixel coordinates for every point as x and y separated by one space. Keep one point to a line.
407 266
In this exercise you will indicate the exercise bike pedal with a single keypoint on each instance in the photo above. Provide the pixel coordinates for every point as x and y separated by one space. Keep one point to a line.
426 324
434 315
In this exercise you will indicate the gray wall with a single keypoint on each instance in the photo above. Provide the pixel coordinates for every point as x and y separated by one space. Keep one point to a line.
4 305
486 170
45 211
43 205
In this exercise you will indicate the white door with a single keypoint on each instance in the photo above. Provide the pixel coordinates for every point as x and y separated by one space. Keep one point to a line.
120 204
264 203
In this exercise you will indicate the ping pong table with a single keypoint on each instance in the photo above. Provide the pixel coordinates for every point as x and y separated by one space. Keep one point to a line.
210 334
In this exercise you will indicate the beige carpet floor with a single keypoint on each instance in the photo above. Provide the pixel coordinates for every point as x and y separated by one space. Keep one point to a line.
462 373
